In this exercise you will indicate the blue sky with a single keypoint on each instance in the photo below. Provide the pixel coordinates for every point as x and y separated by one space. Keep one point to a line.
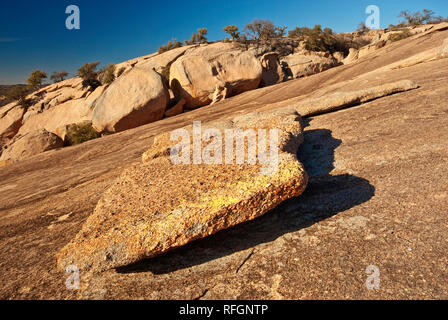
33 33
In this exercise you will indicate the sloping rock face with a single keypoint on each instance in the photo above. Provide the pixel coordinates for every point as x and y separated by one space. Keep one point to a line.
10 122
203 73
444 50
134 99
300 65
137 218
29 144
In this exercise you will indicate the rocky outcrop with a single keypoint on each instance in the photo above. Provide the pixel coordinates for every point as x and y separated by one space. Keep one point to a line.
72 111
136 218
340 100
300 65
272 70
202 74
352 56
29 144
10 122
134 99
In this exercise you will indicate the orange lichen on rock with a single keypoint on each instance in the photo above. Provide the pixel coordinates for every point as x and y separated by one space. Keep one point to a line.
156 205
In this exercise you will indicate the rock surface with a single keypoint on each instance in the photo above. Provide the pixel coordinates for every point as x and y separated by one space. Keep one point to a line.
72 111
136 218
29 144
352 56
272 70
340 100
177 109
10 123
444 50
134 99
203 72
299 65
382 201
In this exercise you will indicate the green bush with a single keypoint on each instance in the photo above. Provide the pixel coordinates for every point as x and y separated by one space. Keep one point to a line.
172 44
35 79
417 18
317 39
232 31
59 76
400 36
263 30
109 74
80 133
89 75
198 37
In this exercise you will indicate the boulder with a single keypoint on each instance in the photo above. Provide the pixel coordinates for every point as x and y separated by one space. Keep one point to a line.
72 111
272 70
137 218
136 98
202 72
29 144
300 65
10 123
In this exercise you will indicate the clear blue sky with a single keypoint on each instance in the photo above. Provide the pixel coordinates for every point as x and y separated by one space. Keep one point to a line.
33 34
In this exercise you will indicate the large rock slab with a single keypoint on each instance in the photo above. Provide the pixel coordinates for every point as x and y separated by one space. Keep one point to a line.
136 98
212 73
336 101
156 206
29 144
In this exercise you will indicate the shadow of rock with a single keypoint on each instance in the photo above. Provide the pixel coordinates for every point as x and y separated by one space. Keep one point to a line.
325 197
